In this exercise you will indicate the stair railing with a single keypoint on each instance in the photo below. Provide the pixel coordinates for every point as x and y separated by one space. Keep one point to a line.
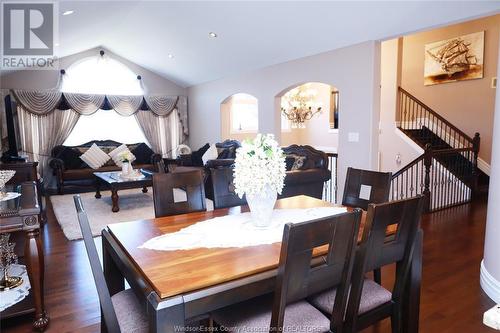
413 114
446 173
427 176
330 187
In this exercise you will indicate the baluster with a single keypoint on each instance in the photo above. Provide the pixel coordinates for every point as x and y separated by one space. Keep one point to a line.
413 115
428 163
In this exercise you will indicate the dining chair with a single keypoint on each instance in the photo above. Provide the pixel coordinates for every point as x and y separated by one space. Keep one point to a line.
368 301
363 187
160 166
122 311
223 188
296 279
163 193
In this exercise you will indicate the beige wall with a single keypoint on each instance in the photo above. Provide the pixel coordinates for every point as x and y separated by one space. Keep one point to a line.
469 105
354 70
392 142
44 79
317 132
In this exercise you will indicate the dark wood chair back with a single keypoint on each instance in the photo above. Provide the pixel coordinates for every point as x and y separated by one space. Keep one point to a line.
160 166
377 250
296 278
363 187
223 188
108 311
163 193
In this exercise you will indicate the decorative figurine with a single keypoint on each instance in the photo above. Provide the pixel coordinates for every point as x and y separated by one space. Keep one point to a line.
7 258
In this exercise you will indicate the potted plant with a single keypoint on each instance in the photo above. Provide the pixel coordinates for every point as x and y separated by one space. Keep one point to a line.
259 173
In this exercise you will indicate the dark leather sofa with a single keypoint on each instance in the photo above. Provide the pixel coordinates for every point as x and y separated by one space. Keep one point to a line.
69 169
308 180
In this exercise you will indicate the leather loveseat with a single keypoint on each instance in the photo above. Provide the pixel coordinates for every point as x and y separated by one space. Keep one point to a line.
69 169
308 178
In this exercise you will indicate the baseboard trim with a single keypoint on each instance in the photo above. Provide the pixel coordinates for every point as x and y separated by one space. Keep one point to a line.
489 284
483 166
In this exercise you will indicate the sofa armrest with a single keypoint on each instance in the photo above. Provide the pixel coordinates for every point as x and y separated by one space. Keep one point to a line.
56 164
223 162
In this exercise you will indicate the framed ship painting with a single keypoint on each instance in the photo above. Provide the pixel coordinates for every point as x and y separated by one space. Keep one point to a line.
454 59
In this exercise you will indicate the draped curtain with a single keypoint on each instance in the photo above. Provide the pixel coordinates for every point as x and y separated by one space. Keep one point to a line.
42 102
47 118
40 134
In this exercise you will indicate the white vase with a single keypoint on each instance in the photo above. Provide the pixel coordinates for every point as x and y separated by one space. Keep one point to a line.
261 206
125 168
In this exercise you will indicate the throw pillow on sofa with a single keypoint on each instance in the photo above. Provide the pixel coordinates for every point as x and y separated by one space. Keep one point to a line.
95 157
227 153
295 162
116 155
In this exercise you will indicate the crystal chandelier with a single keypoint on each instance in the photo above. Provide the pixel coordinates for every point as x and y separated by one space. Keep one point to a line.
300 104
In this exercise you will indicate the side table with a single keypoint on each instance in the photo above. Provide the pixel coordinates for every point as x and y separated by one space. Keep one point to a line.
23 215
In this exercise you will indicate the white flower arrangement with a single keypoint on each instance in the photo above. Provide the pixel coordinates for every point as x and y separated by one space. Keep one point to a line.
126 157
259 162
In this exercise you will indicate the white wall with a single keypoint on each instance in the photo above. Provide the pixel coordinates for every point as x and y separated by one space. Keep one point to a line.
45 79
392 141
354 70
490 267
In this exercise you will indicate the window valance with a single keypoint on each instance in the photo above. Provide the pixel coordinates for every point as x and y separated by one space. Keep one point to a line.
43 102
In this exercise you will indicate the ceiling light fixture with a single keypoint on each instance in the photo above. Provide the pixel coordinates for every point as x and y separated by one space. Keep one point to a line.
212 34
68 12
299 105
171 56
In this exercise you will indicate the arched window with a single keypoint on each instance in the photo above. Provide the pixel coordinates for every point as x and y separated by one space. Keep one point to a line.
239 116
244 113
103 75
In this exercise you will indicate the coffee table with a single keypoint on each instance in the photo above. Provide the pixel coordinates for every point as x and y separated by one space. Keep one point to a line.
114 182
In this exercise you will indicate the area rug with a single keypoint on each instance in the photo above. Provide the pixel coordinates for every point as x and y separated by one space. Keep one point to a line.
134 205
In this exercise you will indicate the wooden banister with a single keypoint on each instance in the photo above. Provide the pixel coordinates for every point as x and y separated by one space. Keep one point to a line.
436 115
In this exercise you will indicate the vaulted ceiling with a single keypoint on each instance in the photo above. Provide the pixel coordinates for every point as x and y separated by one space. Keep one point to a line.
251 34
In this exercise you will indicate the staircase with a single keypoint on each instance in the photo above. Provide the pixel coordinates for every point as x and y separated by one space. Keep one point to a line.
446 173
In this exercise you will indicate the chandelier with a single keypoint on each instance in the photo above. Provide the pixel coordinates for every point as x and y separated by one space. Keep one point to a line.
299 105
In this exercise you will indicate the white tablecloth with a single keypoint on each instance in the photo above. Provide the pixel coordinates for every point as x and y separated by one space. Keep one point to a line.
16 295
236 230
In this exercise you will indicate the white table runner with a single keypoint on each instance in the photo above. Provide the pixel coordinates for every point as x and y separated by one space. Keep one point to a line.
236 230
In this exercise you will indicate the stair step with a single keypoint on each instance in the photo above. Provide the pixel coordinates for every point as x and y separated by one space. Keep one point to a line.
457 164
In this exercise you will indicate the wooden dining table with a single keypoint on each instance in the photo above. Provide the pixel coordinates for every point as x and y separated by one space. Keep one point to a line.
179 286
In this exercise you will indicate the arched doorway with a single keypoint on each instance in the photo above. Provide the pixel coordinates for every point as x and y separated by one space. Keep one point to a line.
309 114
239 117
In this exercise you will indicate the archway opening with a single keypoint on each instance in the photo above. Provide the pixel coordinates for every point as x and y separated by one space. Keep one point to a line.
239 117
309 114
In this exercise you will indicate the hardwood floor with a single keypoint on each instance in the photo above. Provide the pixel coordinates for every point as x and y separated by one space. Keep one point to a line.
451 301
